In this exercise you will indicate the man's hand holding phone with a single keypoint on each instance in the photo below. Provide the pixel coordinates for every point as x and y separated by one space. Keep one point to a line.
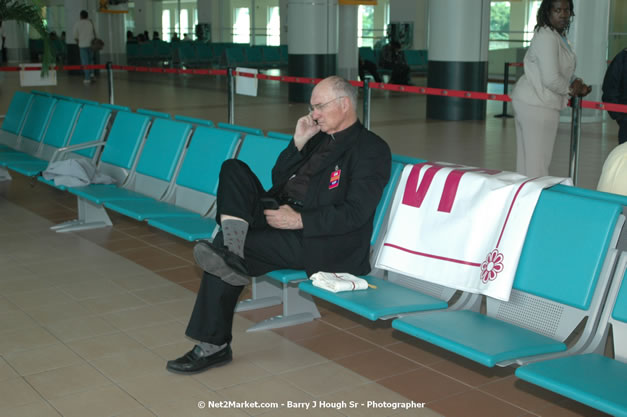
306 128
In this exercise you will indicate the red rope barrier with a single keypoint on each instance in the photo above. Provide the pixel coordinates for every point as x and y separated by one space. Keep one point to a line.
477 95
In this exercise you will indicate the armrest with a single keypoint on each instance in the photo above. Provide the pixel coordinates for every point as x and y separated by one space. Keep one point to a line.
59 152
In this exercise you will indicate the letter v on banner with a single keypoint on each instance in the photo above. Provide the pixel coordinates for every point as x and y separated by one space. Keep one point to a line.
415 193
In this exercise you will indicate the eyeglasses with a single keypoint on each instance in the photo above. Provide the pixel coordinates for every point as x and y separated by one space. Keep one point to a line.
319 107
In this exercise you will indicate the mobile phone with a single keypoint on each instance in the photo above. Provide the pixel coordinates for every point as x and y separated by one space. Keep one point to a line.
269 203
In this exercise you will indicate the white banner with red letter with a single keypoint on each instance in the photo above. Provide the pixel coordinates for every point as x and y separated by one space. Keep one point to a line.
461 227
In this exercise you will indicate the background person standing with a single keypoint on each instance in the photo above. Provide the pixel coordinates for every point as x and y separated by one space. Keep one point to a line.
84 33
4 49
543 89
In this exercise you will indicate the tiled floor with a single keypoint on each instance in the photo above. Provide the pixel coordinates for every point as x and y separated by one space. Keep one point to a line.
87 320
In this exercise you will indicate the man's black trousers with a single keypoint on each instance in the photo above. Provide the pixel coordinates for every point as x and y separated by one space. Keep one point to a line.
266 249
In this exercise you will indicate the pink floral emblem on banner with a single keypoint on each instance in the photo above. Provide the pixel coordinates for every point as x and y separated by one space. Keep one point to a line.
492 266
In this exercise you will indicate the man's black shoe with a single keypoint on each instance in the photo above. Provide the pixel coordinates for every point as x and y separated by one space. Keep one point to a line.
194 362
220 261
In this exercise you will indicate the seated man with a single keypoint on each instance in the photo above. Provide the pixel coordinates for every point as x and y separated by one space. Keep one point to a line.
392 58
370 67
327 182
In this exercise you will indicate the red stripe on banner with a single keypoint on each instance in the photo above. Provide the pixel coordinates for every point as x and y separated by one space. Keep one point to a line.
451 186
441 258
516 64
498 242
8 69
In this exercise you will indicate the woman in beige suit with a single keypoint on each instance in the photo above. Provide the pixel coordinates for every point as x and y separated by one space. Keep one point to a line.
543 90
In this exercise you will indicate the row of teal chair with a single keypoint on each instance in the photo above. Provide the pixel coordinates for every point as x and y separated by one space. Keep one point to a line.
49 127
193 120
202 54
256 56
41 125
416 59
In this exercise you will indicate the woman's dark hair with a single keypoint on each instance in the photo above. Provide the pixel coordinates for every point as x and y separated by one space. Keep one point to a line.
542 19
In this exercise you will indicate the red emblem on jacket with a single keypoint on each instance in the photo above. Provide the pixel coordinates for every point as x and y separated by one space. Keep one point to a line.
335 179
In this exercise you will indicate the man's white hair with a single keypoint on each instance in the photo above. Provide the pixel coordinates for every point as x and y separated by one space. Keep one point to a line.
341 87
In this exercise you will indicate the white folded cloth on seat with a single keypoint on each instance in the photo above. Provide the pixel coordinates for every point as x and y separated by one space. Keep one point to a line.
338 281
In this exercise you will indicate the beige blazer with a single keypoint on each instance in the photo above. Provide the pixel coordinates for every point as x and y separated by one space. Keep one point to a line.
549 71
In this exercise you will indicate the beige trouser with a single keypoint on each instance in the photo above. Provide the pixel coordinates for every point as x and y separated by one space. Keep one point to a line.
536 130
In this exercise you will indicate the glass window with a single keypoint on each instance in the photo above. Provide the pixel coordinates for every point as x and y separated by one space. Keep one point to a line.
165 24
273 28
499 24
184 22
365 26
532 19
241 25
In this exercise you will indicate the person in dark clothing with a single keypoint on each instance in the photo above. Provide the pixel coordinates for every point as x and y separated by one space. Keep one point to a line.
2 40
392 58
327 183
615 91
370 67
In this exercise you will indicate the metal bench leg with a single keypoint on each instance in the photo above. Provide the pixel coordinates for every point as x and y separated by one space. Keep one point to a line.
90 216
298 308
266 293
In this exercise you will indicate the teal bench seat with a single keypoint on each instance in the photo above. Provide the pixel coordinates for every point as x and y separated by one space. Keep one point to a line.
592 378
499 341
562 276
384 301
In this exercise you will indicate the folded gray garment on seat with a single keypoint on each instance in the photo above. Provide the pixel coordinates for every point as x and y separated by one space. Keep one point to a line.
75 173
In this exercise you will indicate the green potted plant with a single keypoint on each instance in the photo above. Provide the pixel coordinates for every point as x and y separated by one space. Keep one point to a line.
27 11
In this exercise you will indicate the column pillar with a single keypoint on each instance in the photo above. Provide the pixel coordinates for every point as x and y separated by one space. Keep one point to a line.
110 28
140 17
205 14
347 52
312 43
589 36
458 56
283 18
414 12
16 41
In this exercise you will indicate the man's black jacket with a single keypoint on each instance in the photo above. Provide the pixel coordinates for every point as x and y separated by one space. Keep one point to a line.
337 220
